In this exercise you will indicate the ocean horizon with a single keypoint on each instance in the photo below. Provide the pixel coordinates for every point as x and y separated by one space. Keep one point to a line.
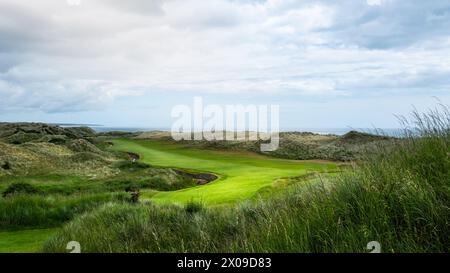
322 131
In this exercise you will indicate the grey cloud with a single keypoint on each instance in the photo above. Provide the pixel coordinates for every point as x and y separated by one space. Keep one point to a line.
394 23
143 7
51 97
57 58
21 28
199 14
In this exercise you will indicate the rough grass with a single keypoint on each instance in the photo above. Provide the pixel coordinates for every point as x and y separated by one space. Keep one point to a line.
32 211
78 166
143 178
399 196
293 145
48 158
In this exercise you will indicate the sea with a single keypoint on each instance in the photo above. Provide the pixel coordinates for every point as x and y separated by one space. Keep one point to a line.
324 131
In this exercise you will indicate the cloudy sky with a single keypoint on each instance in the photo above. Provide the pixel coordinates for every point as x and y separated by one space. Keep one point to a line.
349 63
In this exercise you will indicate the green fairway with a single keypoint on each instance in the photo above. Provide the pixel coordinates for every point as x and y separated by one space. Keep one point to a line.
242 174
24 241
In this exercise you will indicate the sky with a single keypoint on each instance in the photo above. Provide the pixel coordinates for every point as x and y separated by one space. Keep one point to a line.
327 64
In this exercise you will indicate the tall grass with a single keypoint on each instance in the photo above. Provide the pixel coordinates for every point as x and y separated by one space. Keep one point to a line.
397 195
26 211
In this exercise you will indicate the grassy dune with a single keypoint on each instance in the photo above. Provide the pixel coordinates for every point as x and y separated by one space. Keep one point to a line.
242 174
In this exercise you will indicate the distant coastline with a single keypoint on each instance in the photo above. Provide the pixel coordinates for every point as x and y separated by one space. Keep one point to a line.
394 132
321 131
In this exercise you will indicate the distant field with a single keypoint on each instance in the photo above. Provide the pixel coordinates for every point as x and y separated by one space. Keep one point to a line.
241 174
24 241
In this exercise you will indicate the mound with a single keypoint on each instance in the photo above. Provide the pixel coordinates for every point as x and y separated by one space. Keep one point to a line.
118 134
154 135
293 145
354 137
18 133
81 145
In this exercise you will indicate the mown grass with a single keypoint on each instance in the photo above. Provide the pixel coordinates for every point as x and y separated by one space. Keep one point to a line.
24 241
241 174
398 195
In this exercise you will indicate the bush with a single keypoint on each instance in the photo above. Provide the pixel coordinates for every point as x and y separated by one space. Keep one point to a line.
193 207
131 166
6 166
20 188
134 198
130 184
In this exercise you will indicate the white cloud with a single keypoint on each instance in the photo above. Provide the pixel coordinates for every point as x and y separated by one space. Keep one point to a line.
375 2
57 57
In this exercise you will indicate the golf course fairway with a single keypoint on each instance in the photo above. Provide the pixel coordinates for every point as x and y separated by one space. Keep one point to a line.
24 241
241 174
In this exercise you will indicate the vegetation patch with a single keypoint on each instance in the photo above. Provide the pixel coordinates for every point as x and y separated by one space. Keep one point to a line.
37 211
242 174
24 241
20 188
398 195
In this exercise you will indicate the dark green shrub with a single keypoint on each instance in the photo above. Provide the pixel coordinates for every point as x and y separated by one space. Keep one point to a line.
131 166
20 188
193 207
132 187
6 166
135 196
